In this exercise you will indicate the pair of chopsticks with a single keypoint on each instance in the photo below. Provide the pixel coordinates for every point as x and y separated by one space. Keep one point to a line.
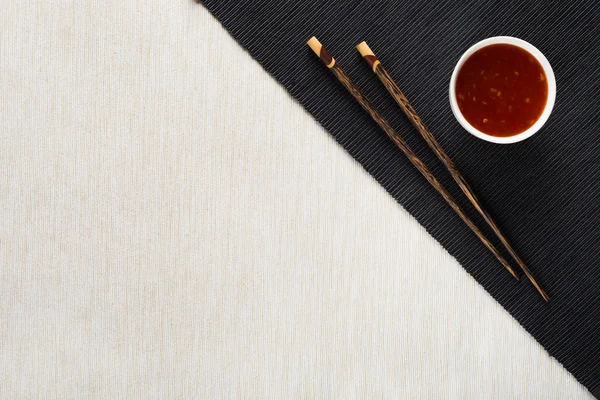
402 101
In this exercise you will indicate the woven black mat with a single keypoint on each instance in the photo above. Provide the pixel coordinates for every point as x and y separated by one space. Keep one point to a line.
543 192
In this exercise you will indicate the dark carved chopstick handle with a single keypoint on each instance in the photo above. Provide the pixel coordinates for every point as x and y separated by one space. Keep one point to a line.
414 118
366 104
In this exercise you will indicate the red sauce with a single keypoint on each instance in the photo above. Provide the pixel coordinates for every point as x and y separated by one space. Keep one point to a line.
501 90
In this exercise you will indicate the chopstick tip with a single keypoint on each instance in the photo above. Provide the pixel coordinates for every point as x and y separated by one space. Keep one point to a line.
545 296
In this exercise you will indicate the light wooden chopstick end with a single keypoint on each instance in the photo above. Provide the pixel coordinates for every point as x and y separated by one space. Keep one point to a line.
321 52
315 45
364 49
366 53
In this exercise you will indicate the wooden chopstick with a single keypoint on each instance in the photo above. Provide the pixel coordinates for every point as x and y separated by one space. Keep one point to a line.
366 104
412 115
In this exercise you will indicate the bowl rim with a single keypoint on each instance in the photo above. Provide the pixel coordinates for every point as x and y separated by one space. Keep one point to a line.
549 78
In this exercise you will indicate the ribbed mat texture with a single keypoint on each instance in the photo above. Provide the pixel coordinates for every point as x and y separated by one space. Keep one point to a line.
543 192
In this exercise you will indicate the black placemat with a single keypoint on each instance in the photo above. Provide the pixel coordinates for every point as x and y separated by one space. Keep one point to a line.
544 192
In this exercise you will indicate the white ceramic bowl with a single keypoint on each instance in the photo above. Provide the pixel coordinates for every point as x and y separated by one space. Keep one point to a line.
549 102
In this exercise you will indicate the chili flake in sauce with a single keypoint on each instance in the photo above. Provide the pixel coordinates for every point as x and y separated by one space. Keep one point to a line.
501 90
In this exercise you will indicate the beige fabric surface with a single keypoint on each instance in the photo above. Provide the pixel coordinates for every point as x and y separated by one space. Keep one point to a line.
175 225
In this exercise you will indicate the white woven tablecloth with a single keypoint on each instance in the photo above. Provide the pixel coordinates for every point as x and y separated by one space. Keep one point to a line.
175 225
